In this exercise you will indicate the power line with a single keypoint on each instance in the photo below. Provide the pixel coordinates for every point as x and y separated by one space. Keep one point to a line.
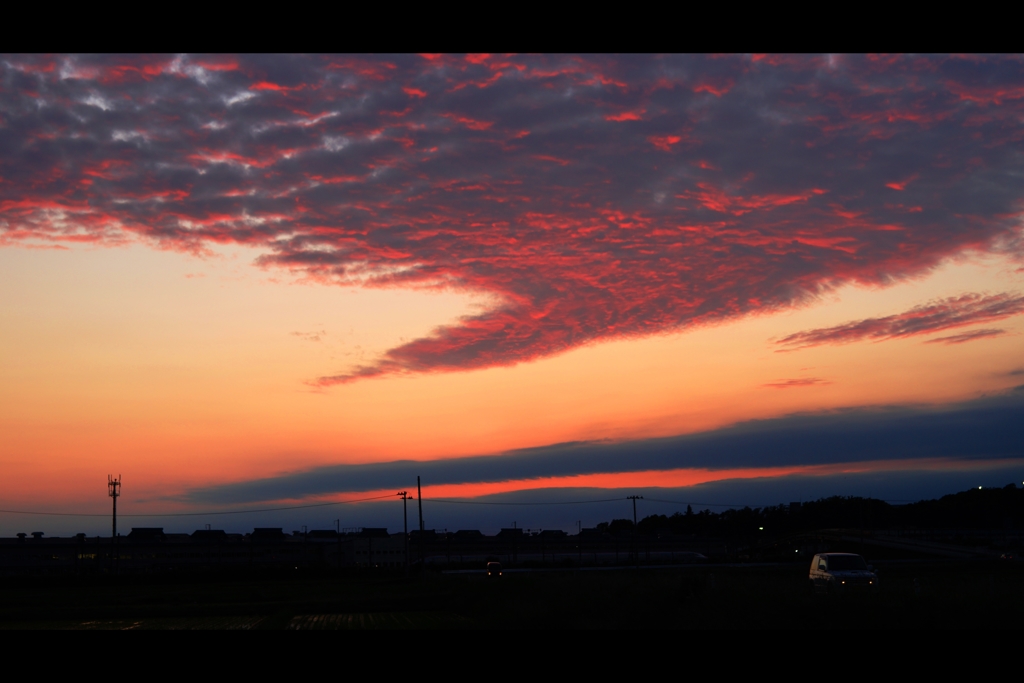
197 514
559 502
363 500
744 505
712 505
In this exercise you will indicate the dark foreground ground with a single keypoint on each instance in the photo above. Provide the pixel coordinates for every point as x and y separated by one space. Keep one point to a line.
957 594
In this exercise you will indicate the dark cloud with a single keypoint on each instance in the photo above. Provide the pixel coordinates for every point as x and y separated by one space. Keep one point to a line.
593 197
966 336
310 336
990 428
957 311
799 382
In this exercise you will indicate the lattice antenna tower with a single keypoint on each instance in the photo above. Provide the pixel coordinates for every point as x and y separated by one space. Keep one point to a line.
114 490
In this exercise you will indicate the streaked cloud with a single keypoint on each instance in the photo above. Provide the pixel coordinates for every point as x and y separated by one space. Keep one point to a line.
798 382
953 312
967 336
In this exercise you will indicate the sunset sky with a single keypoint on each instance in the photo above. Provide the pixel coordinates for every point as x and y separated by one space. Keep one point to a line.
248 282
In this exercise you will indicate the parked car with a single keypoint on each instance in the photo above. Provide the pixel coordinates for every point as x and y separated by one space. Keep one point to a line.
841 572
493 569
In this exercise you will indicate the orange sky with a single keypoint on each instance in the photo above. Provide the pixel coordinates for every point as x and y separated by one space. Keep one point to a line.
178 371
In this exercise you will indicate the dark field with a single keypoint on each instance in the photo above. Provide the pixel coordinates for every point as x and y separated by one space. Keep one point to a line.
952 594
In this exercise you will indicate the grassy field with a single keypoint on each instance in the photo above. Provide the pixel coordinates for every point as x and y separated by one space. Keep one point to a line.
913 595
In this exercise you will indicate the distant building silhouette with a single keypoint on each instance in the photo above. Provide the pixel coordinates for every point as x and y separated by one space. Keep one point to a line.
974 523
147 535
467 535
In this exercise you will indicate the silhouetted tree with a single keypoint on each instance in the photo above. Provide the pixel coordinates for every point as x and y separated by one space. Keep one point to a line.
620 527
992 508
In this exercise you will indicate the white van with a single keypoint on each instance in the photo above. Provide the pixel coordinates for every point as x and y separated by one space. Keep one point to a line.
835 572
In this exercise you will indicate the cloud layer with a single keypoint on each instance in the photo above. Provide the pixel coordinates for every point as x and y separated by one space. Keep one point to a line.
964 337
990 428
958 311
592 197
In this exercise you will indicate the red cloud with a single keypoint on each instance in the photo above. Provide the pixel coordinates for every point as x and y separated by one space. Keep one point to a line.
664 142
624 116
953 312
472 124
902 184
715 199
966 336
579 227
716 89
217 64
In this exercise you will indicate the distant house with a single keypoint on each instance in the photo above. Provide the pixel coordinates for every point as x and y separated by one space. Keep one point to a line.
209 536
551 534
323 533
374 532
267 534
147 534
467 535
373 547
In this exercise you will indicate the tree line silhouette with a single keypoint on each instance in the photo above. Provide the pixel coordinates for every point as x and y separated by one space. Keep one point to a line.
982 508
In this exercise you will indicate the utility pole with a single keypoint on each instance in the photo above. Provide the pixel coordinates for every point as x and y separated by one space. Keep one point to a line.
636 553
337 525
419 501
419 540
861 508
114 490
579 539
405 526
